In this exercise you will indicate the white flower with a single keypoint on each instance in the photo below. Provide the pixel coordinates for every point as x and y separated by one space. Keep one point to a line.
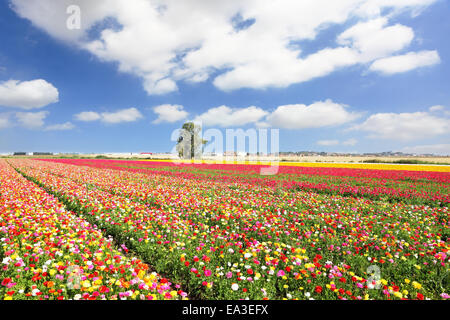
234 286
247 255
77 297
6 260
307 294
230 250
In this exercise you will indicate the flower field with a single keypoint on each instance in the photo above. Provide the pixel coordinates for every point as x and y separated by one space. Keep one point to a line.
220 231
50 253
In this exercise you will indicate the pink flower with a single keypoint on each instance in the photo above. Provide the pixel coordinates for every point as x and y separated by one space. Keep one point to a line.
208 272
280 273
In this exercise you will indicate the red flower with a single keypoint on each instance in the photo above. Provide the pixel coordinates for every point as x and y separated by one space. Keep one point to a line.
6 281
104 289
318 289
419 296
249 271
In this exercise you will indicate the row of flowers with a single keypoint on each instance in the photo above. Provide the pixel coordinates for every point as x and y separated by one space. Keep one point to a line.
47 252
231 240
414 187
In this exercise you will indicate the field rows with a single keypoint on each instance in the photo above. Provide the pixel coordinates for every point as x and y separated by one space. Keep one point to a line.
414 187
48 252
225 236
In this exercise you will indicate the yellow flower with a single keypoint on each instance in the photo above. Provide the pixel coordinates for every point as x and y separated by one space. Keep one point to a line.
417 285
407 280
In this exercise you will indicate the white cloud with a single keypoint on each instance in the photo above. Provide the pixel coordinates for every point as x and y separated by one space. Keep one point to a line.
439 149
405 62
157 41
225 116
87 116
316 115
373 39
123 115
31 120
439 109
27 94
328 142
436 108
404 126
169 113
60 127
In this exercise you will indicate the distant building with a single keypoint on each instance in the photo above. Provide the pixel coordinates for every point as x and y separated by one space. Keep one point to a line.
19 153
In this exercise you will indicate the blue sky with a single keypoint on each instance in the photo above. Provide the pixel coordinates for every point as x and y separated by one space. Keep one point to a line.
359 77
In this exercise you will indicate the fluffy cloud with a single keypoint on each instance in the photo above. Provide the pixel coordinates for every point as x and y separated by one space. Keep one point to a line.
157 41
316 115
60 127
27 94
404 126
87 116
31 120
169 113
373 39
441 149
124 115
405 62
225 116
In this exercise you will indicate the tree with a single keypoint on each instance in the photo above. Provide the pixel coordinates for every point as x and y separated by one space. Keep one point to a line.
189 143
